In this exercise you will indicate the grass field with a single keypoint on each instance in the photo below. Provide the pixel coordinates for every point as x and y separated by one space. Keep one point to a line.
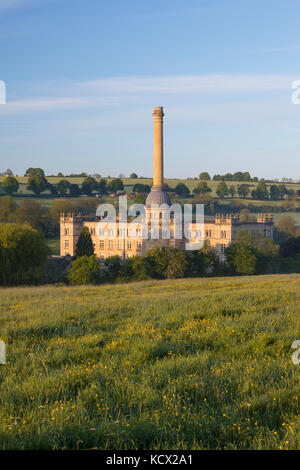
129 183
185 364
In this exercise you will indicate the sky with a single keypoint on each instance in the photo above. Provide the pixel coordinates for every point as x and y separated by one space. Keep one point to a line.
82 78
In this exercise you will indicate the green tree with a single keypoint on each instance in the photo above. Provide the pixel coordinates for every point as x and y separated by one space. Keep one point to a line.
202 188
242 258
30 212
115 185
84 270
35 172
204 176
287 225
7 208
261 192
23 255
112 265
140 199
74 190
63 187
143 268
141 188
133 176
182 190
222 189
290 247
37 181
232 190
10 185
282 190
84 246
89 185
168 263
275 192
102 187
243 190
60 206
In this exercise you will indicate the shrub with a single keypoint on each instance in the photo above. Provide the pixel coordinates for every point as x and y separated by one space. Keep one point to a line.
23 255
84 270
10 185
168 263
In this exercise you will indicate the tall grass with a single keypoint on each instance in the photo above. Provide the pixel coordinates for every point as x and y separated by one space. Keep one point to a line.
185 364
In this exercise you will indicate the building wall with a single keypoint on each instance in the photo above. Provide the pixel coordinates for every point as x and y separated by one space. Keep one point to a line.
116 239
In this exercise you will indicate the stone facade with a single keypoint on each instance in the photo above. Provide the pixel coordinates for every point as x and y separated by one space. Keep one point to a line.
127 239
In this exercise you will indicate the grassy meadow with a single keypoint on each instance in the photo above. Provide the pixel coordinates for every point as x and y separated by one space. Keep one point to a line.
184 364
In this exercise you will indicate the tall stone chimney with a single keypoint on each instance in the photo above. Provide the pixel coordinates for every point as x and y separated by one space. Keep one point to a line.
158 150
158 195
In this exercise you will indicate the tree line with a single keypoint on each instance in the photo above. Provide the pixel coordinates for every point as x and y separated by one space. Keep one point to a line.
24 260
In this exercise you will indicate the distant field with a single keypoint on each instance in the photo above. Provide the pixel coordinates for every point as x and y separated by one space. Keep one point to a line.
190 183
54 245
185 364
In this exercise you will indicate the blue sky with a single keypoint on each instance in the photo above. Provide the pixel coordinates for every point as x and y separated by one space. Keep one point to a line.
82 78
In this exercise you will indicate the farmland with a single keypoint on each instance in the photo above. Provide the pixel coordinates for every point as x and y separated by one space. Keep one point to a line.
183 364
130 182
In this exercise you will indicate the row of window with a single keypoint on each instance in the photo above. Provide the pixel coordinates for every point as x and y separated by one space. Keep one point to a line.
119 233
120 244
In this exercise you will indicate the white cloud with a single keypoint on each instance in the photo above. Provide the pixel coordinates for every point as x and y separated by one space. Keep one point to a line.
67 94
189 84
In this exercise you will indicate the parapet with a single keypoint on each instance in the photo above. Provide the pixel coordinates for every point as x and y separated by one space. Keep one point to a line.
265 219
227 219
70 217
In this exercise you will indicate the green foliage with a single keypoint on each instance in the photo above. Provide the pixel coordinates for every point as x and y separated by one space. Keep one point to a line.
37 182
261 192
84 270
222 189
242 258
10 185
202 188
204 176
243 190
133 176
140 199
74 190
23 255
182 190
141 188
143 267
84 246
232 190
30 212
112 266
115 185
290 247
7 208
252 253
63 187
89 185
168 263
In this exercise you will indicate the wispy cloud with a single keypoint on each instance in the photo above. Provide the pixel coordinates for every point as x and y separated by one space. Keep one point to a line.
295 47
67 94
12 3
54 104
